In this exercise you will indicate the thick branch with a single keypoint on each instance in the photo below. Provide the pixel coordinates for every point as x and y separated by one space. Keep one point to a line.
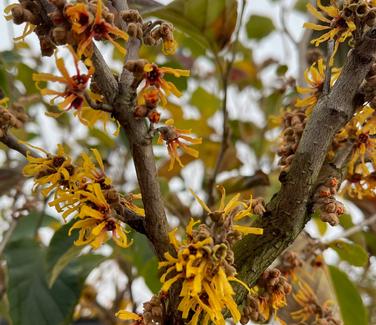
103 76
142 152
12 143
133 220
289 209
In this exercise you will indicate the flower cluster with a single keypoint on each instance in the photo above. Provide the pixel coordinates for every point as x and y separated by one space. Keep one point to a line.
76 24
93 21
312 311
341 22
360 179
12 117
204 263
270 295
79 23
173 137
84 190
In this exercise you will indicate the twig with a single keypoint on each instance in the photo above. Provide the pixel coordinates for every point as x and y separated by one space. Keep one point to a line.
97 106
353 230
8 235
11 142
284 27
226 133
328 71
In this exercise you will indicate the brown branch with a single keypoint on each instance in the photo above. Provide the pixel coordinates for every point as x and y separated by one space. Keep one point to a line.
142 152
289 209
133 220
11 142
103 76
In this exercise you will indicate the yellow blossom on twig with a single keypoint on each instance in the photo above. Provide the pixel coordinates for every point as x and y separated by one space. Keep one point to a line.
337 27
173 138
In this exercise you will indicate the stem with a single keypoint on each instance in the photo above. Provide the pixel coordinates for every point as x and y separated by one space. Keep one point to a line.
226 133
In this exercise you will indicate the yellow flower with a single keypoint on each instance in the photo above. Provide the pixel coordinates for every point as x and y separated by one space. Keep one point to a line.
173 136
154 78
75 85
88 29
201 265
90 170
97 219
315 77
361 129
234 209
127 315
4 101
169 46
52 171
337 27
80 17
307 299
360 186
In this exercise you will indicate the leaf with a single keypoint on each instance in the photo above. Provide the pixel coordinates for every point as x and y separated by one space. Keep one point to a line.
350 252
206 102
61 251
103 137
259 27
370 238
31 302
25 74
350 302
210 23
27 225
141 255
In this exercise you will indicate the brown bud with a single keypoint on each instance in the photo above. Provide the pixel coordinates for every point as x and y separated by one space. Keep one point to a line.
132 30
46 46
154 116
140 111
150 41
331 207
330 218
58 3
56 17
18 14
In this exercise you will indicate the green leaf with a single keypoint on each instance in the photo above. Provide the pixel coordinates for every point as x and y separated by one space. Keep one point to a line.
27 225
61 251
25 75
103 137
141 255
206 102
282 69
350 252
350 303
301 5
210 23
31 301
259 27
